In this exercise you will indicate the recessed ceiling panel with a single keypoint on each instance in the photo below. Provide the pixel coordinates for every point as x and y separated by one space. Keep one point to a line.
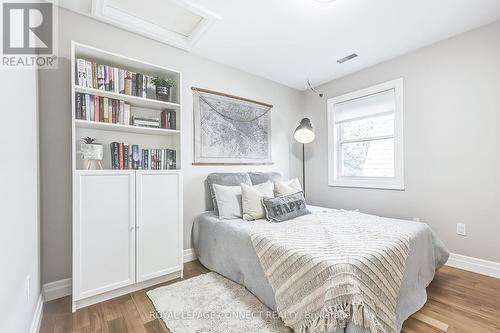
176 22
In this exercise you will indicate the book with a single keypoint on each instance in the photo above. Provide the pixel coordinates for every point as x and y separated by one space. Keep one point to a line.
88 71
100 78
91 101
128 83
87 107
144 81
81 72
106 109
115 155
135 157
134 84
78 106
110 110
101 109
94 75
116 80
110 78
126 156
121 81
168 119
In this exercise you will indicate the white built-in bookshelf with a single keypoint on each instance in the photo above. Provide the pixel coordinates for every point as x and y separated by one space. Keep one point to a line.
107 132
127 222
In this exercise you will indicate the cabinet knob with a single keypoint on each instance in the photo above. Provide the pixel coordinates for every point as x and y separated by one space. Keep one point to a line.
132 228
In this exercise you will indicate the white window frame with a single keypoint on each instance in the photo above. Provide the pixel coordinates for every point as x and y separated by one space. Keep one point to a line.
334 176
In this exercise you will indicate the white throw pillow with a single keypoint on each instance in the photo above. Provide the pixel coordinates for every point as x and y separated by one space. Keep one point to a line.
251 198
228 201
282 188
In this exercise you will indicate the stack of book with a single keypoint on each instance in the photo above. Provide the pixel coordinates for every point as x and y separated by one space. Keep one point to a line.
125 156
103 77
146 122
102 109
168 119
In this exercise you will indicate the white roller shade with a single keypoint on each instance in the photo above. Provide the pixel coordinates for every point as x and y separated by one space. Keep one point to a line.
365 106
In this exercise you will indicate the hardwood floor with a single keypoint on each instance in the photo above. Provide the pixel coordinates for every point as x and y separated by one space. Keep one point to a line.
459 302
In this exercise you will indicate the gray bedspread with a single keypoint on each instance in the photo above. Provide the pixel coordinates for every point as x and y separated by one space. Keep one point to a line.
224 246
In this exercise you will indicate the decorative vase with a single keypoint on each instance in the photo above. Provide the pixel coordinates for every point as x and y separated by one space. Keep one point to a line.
92 151
163 94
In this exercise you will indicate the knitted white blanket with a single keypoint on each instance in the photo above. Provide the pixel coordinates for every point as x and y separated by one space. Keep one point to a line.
331 268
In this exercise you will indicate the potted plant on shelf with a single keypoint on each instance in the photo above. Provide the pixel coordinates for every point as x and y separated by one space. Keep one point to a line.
91 151
163 88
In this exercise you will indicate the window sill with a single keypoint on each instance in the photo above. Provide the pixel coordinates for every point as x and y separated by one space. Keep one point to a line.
368 184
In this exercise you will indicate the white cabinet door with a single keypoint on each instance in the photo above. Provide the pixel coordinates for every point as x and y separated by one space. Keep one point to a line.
159 231
104 231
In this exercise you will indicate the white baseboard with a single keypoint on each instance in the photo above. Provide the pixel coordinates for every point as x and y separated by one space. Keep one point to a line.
62 288
37 316
56 289
480 266
189 255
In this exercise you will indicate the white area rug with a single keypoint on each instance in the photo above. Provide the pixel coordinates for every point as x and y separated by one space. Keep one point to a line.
210 303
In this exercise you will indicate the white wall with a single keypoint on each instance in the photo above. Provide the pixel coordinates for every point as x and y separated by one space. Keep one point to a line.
452 141
55 126
19 238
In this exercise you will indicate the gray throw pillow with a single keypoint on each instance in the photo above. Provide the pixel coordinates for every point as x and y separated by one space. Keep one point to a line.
262 177
285 208
226 179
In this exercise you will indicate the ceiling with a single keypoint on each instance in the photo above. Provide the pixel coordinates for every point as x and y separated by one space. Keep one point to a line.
290 41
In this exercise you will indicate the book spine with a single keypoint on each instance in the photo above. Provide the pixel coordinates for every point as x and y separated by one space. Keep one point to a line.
105 74
101 108
128 83
88 70
113 107
121 81
110 110
94 75
126 156
116 80
111 149
92 111
87 108
110 78
100 77
105 108
135 157
134 84
173 120
78 106
120 156
144 85
96 108
81 72
138 84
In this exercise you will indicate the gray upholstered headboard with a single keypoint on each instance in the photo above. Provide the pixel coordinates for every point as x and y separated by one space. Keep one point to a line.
235 179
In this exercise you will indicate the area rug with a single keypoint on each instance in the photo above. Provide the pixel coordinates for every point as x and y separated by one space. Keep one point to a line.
210 303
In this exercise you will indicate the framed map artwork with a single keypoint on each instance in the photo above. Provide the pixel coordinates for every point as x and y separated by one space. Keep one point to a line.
230 130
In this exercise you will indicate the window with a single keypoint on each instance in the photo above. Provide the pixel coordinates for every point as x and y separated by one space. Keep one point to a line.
365 138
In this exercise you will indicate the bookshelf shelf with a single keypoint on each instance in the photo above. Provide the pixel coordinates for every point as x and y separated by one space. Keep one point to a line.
132 100
124 128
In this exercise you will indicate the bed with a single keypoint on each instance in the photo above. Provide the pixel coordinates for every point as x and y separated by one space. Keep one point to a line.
225 246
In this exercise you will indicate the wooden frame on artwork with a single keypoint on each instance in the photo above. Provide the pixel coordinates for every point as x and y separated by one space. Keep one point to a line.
230 130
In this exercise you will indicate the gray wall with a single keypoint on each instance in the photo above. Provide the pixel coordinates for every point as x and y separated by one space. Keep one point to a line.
452 141
19 237
55 126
